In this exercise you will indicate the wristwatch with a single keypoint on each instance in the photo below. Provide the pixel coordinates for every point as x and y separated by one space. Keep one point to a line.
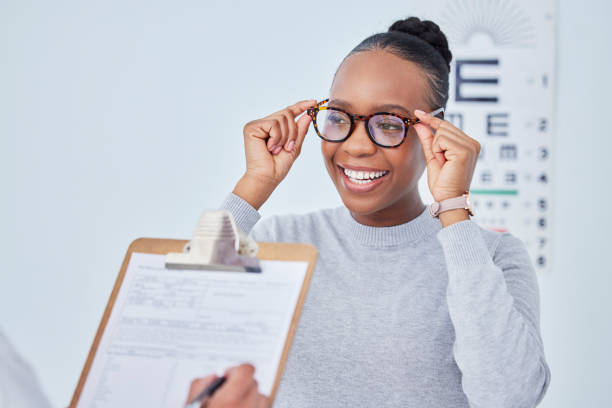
462 201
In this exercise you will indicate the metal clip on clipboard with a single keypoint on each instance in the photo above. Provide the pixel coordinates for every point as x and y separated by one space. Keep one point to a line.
217 244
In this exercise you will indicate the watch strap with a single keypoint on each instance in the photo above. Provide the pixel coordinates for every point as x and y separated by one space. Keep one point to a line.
436 208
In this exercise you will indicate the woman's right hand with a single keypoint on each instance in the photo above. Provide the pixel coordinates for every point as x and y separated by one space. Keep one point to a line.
271 145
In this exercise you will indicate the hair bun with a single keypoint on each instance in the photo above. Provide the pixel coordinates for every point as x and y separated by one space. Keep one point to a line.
427 31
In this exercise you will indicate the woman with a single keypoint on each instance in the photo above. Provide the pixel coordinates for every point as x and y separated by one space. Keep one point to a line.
404 309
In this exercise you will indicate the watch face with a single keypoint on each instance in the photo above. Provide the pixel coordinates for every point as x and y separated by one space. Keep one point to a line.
434 208
468 204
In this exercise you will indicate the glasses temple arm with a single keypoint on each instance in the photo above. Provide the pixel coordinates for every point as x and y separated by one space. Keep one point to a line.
317 105
436 112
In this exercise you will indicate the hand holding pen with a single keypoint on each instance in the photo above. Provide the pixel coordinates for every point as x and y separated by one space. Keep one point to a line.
236 389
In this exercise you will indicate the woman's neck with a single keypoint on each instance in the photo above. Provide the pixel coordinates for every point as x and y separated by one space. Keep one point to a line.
403 210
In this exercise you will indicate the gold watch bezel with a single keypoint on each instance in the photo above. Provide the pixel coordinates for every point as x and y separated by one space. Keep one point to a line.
468 204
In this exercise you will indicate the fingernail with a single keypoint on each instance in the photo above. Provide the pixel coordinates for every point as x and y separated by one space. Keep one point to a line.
290 146
271 148
278 149
419 112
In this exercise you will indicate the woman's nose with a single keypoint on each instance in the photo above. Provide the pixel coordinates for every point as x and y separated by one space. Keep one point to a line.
359 143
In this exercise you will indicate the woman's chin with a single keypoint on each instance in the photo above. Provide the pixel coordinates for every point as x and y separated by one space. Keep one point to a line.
362 206
360 203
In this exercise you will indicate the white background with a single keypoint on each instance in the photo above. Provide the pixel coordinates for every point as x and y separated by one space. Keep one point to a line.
124 119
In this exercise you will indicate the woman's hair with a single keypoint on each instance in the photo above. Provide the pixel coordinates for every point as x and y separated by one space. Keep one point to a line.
421 42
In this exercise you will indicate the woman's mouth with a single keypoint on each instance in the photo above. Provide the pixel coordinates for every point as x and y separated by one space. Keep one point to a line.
362 181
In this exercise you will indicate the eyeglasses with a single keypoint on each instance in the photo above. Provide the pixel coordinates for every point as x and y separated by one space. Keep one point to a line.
385 129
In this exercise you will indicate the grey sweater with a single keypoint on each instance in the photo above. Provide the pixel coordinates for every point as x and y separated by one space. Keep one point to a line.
413 315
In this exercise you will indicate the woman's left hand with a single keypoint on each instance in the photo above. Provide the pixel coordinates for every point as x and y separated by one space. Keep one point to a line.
450 155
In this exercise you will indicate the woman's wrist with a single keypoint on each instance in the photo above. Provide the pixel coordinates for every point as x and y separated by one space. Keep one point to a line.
453 216
253 190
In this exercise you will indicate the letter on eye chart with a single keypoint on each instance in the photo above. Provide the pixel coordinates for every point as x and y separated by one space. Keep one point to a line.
168 327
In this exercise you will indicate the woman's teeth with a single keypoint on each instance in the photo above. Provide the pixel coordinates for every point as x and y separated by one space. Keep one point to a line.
363 177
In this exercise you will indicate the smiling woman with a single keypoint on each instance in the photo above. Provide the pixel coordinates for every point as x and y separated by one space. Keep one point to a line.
362 82
406 308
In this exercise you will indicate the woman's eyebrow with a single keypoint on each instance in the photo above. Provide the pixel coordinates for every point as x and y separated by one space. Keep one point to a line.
378 108
392 106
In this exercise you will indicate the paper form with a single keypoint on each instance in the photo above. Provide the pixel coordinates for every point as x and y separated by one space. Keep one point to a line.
168 327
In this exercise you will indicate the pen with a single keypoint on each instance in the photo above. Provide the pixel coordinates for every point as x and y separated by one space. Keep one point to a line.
202 398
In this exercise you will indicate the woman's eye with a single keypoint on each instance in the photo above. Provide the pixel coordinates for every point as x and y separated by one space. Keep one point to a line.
336 119
389 126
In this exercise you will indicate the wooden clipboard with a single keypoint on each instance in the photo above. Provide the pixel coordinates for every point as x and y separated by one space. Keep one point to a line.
267 251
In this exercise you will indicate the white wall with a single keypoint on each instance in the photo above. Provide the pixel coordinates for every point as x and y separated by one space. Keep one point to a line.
124 119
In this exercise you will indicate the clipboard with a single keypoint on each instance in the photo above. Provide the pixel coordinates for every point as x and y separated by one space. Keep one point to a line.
267 251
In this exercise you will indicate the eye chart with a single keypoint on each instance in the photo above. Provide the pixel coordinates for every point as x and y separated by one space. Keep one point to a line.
502 91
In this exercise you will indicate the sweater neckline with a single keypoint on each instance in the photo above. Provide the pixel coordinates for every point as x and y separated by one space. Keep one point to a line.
417 229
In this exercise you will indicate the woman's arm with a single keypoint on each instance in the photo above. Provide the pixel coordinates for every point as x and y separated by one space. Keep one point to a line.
493 300
493 303
271 146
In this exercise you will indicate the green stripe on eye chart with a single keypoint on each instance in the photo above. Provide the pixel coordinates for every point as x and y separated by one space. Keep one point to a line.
494 192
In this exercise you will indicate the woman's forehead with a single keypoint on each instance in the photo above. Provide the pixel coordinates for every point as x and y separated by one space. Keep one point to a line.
369 79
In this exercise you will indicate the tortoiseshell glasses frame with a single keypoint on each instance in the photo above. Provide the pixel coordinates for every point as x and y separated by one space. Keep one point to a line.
407 122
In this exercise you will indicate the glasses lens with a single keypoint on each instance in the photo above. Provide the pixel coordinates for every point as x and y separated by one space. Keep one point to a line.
387 130
333 125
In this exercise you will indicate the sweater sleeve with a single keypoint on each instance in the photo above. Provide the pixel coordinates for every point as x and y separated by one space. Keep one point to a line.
493 302
248 218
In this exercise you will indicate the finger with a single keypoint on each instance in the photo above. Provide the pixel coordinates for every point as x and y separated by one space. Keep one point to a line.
455 133
301 106
464 142
231 397
260 129
448 125
438 154
437 149
239 380
198 385
251 399
429 120
426 137
302 128
257 128
292 132
264 402
284 125
450 147
273 128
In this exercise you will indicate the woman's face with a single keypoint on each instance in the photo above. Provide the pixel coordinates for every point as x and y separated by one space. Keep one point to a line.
368 82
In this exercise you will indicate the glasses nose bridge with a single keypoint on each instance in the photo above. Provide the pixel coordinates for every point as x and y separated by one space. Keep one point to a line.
356 145
356 119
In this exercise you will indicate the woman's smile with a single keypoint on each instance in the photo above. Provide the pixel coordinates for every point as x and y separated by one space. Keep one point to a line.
359 179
